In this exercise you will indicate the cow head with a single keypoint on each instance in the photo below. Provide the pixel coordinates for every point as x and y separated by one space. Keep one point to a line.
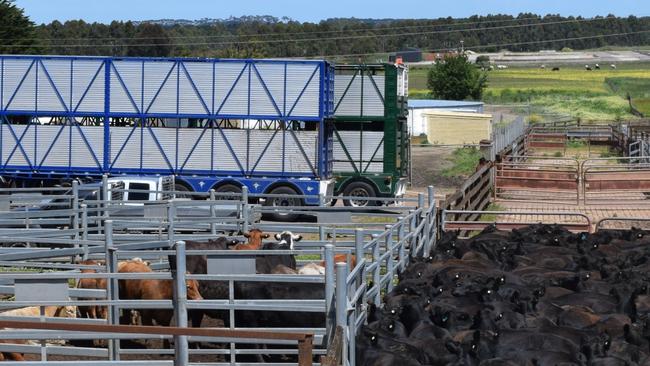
255 237
192 288
287 237
66 312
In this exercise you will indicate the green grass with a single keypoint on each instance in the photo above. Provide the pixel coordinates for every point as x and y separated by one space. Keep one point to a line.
464 162
576 144
491 217
643 105
572 91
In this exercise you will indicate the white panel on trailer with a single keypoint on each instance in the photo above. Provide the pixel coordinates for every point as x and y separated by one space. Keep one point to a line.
54 139
88 84
273 77
82 151
261 101
347 94
54 85
373 94
130 149
271 161
223 157
194 149
155 139
195 91
300 94
231 89
19 84
296 162
160 87
361 151
348 91
13 155
126 87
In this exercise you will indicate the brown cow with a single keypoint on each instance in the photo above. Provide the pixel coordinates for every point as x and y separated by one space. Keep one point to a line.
152 290
254 237
343 258
91 311
50 312
98 312
12 356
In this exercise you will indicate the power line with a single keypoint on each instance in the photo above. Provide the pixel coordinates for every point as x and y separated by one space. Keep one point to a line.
320 39
493 45
369 29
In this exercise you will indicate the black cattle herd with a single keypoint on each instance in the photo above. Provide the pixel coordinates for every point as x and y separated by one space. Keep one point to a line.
534 296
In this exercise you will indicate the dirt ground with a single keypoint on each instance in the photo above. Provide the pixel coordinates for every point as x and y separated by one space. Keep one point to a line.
428 165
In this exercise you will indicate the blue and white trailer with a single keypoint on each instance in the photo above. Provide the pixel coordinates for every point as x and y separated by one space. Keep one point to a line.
212 123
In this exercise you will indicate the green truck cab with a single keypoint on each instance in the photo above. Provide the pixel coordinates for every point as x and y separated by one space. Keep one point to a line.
370 132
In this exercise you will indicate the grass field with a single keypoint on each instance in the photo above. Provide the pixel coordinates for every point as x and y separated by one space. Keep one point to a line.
589 95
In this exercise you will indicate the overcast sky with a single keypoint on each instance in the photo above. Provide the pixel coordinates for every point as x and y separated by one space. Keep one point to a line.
44 11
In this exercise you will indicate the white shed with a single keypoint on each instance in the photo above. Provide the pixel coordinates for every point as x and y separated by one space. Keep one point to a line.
418 108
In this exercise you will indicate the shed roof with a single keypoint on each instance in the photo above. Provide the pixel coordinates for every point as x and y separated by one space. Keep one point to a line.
441 104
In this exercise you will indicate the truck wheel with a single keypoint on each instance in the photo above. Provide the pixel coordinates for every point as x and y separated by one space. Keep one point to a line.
180 189
228 188
361 190
282 202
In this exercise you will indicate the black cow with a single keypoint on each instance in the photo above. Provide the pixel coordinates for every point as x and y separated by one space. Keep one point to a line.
535 296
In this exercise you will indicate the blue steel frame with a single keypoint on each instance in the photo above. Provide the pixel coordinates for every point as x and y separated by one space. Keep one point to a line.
209 110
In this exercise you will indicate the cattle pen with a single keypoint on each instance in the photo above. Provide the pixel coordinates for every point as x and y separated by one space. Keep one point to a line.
568 174
43 253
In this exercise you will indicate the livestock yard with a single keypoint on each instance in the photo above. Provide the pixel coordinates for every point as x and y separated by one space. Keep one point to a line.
171 211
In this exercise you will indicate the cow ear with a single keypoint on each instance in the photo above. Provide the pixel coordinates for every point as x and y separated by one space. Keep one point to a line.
247 235
297 237
265 236
476 337
277 237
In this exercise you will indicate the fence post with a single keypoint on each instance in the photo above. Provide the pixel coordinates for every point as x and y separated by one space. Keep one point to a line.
414 239
433 217
105 213
213 214
342 305
330 325
75 215
112 289
171 214
181 349
245 208
359 252
402 245
75 208
390 266
84 229
376 276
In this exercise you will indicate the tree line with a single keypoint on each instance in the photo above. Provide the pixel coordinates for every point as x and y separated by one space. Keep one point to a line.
274 37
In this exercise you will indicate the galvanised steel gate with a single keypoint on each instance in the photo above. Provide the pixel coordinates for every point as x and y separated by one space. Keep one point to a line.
537 178
382 246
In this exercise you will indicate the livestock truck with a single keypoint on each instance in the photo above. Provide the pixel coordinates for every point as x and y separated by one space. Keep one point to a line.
371 143
219 124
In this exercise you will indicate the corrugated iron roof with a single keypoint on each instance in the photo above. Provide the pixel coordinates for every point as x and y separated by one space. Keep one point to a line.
442 104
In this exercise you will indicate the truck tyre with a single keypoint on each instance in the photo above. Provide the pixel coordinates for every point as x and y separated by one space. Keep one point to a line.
361 190
181 188
228 188
282 202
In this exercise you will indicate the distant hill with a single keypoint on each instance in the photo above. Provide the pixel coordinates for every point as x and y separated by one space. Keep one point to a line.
209 21
370 39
